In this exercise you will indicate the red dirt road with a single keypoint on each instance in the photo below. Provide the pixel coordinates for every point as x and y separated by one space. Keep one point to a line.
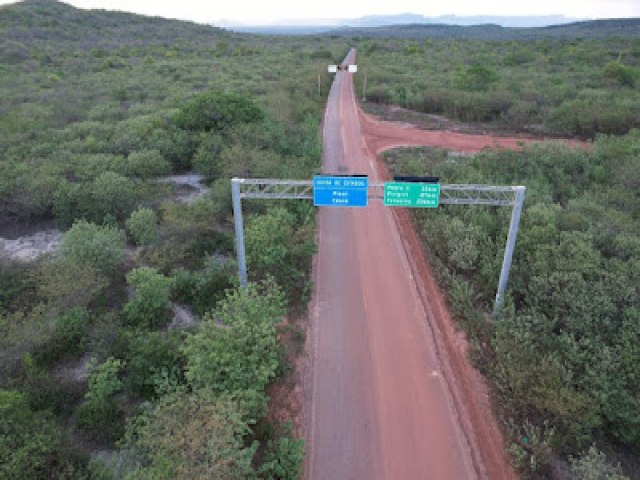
391 393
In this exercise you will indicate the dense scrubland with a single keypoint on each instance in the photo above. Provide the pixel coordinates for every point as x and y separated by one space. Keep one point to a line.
572 87
100 377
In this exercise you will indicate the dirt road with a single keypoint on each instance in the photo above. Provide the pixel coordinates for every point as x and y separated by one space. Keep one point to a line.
391 394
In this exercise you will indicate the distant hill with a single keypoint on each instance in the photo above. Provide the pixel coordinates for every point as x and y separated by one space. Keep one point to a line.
590 29
48 20
503 21
299 27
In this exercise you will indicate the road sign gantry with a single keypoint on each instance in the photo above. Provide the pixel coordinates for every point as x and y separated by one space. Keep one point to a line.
429 195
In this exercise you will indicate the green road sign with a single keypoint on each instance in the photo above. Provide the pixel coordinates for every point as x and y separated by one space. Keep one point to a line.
405 194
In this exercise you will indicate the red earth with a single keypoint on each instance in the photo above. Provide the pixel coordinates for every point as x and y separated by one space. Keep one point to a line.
390 391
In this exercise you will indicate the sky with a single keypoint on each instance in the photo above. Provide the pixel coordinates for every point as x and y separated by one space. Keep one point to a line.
272 11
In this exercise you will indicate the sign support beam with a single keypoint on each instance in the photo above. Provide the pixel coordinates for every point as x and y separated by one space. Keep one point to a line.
237 217
508 252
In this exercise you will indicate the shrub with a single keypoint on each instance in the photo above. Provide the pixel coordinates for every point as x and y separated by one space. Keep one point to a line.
202 289
235 351
216 111
184 436
143 226
101 247
113 197
100 414
146 164
31 444
284 458
592 465
153 359
151 304
620 73
68 283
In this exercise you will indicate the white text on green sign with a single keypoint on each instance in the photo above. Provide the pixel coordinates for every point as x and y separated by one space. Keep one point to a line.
408 194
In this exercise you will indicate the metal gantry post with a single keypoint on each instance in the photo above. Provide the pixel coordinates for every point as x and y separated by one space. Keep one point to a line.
508 252
237 218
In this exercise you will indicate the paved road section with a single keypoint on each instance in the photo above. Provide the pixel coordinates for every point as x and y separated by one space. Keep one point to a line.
380 404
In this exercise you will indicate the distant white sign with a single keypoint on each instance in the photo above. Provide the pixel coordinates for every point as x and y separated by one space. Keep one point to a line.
333 68
353 68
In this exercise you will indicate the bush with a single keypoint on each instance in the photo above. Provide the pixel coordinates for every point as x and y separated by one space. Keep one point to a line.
151 304
147 164
143 226
275 247
101 247
184 436
153 360
113 197
592 465
31 444
67 283
236 351
216 111
100 414
69 336
620 73
202 289
284 458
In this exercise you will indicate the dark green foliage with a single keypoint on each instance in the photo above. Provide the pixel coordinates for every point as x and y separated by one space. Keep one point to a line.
153 361
69 336
100 416
552 86
216 111
31 444
284 459
622 74
235 350
147 163
102 247
275 247
478 78
184 436
204 288
150 306
143 226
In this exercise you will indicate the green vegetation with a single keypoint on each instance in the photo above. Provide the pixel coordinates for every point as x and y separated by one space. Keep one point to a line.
569 87
565 354
97 106
619 27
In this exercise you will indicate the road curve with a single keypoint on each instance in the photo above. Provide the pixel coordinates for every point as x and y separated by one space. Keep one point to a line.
381 403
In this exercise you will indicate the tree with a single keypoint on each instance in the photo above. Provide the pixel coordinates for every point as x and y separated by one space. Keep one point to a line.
101 247
187 436
216 111
113 197
151 304
147 164
31 444
235 351
143 226
68 283
100 414
275 247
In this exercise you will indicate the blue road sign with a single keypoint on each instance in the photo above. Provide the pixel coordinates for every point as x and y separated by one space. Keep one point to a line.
340 191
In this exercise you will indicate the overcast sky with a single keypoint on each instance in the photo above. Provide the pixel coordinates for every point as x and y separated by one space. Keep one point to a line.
270 11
